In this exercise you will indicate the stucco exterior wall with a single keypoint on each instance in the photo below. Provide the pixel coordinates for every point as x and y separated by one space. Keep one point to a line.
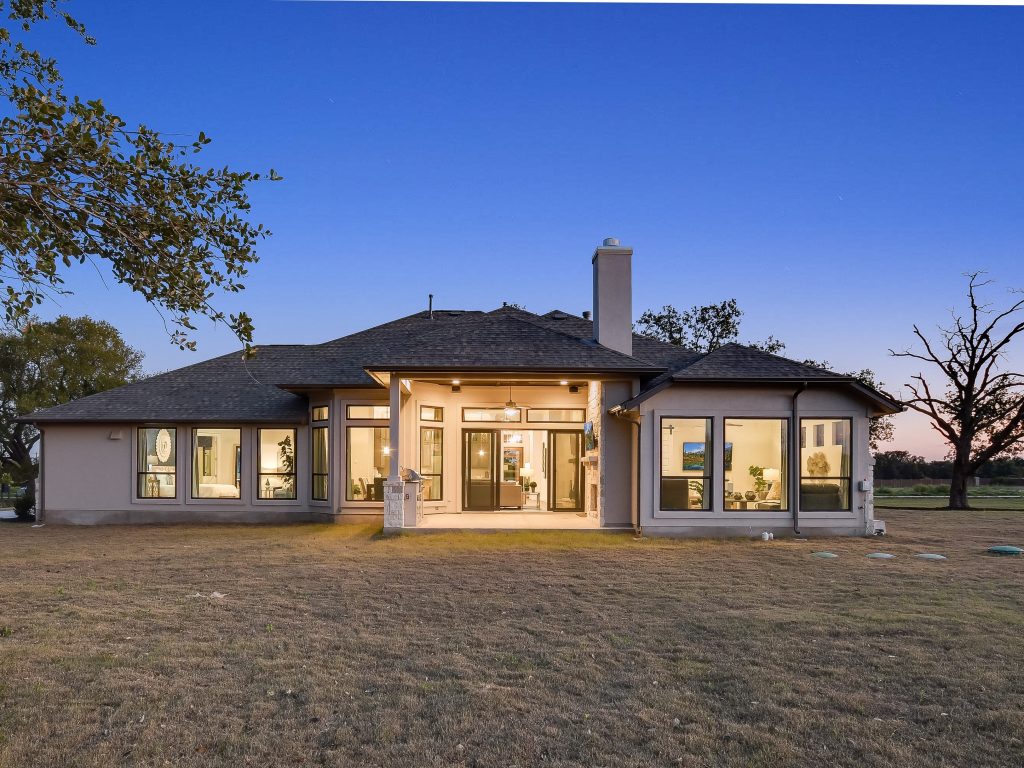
720 403
89 476
616 459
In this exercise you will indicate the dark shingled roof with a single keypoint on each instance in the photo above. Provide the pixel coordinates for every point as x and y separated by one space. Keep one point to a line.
737 361
230 389
506 339
225 388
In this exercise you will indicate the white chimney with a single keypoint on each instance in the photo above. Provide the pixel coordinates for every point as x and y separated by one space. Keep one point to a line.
613 296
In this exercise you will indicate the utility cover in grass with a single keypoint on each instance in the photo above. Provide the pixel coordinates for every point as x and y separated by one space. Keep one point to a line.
931 556
1005 549
880 556
827 555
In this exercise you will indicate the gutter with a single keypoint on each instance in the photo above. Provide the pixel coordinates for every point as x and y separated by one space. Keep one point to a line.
794 466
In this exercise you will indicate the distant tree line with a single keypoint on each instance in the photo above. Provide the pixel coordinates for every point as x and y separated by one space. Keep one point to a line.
903 465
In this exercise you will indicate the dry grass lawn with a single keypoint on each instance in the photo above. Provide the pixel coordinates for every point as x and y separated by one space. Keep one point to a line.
334 647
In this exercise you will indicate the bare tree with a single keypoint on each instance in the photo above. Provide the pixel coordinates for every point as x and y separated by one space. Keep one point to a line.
976 405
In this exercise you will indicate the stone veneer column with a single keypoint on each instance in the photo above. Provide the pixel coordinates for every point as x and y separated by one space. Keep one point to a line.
394 505
394 487
869 500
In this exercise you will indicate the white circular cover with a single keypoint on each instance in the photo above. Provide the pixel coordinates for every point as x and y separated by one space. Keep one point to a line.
163 445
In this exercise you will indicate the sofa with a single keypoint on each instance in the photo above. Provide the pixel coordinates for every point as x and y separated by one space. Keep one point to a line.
820 497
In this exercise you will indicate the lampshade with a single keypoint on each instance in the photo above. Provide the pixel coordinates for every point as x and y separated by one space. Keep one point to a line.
771 474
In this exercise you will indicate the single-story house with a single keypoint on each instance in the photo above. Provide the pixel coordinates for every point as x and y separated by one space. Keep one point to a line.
474 419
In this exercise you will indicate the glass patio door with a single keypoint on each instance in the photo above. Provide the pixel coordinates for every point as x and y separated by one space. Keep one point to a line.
565 474
480 469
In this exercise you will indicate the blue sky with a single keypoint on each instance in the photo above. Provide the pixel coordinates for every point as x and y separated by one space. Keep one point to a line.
834 169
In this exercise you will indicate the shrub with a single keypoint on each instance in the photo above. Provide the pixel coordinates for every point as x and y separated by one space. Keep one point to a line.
884 491
24 506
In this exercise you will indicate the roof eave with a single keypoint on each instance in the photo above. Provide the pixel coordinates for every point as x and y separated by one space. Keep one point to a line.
887 405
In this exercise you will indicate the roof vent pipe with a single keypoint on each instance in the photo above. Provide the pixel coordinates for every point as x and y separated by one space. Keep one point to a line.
430 305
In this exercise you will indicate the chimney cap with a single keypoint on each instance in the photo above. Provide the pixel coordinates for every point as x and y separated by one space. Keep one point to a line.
586 314
612 242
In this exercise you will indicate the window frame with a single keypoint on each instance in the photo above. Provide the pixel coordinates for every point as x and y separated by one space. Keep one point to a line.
572 409
193 481
350 417
314 410
438 476
439 408
324 427
784 471
708 478
139 446
837 478
499 408
259 474
348 457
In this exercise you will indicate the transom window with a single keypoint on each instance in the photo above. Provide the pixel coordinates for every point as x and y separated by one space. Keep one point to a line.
368 411
685 463
276 461
431 413
563 415
157 472
755 456
825 471
514 415
321 413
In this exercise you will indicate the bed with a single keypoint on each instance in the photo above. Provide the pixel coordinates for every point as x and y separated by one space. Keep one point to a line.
217 491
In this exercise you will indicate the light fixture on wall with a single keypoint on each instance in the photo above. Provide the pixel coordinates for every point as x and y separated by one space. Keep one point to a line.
573 389
511 409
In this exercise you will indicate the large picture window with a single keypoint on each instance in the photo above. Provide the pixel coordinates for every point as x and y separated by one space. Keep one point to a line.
276 461
825 465
432 462
216 463
319 463
157 472
756 457
685 463
369 462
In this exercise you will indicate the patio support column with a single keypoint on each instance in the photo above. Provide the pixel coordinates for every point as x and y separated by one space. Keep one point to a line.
394 488
396 419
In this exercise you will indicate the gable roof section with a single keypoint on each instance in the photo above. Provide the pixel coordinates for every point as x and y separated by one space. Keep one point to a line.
737 364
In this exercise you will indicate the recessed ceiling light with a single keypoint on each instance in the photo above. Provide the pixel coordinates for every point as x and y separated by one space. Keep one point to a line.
563 382
456 382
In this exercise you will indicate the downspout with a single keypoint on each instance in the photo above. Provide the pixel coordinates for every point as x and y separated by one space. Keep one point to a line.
794 466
